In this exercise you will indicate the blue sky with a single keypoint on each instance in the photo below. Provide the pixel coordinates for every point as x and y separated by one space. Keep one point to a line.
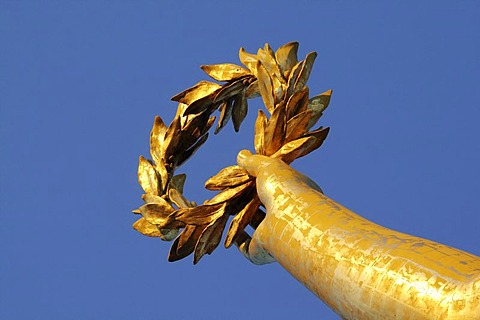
80 84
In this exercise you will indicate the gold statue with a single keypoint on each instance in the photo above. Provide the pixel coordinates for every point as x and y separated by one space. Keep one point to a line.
359 269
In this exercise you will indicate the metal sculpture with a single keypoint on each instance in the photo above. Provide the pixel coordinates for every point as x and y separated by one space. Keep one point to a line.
359 269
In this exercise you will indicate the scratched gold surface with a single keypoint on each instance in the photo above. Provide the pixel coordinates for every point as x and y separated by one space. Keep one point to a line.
359 269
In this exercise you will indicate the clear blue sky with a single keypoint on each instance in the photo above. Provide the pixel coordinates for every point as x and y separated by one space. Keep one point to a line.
80 84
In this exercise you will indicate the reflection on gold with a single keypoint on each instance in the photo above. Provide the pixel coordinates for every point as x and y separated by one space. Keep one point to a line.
358 268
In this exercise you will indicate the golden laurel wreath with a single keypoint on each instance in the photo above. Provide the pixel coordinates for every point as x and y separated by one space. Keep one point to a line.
280 79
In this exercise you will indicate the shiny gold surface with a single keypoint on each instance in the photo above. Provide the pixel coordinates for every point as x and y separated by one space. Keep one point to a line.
358 268
280 79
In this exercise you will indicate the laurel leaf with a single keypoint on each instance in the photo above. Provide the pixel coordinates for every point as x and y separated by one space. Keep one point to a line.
158 214
293 76
259 137
180 158
225 71
298 125
297 102
150 198
320 136
187 234
184 245
275 131
228 177
318 104
229 194
201 90
169 234
171 142
240 109
305 72
241 220
195 126
210 237
177 182
146 228
201 105
266 87
249 60
293 149
157 136
178 199
286 57
298 148
229 90
267 57
147 176
199 215
225 114
252 90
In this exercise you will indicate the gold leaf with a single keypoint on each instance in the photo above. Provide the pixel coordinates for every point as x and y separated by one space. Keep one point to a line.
147 176
305 72
275 131
241 220
185 155
210 238
229 194
259 138
163 173
249 60
150 198
217 234
169 234
240 109
158 214
229 90
198 91
187 234
146 228
171 141
203 214
185 243
225 71
286 57
201 105
157 145
231 176
196 126
181 114
298 125
266 87
178 199
177 182
157 136
298 148
165 234
225 114
318 104
293 149
136 211
259 135
320 136
267 58
252 90
297 102
293 76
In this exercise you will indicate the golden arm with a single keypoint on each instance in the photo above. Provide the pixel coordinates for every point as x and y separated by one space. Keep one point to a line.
359 269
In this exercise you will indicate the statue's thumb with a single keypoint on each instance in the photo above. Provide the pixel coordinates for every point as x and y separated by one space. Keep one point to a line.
247 161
